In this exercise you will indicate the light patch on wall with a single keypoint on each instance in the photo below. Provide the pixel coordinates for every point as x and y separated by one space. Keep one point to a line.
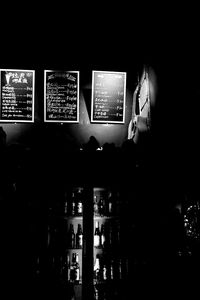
15 131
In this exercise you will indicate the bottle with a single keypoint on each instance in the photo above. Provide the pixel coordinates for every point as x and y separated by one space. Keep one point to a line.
126 268
75 269
73 205
37 268
101 206
118 234
110 205
96 292
71 237
112 269
97 271
65 208
66 268
105 272
58 266
103 238
79 237
96 207
66 204
79 202
110 235
97 235
52 266
120 269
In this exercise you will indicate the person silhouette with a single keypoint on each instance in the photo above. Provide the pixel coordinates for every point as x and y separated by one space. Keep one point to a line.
92 145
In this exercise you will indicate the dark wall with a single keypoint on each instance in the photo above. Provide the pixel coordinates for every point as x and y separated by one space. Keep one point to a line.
71 133
122 41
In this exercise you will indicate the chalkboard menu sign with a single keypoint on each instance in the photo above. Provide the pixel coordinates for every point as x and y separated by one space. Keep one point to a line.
108 97
61 96
17 95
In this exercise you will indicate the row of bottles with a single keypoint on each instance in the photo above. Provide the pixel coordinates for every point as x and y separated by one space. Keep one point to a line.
65 243
108 292
75 240
64 236
73 203
110 266
65 269
107 235
72 269
107 268
105 203
70 204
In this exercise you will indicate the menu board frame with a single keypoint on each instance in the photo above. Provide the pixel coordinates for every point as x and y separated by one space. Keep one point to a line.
13 120
109 119
57 120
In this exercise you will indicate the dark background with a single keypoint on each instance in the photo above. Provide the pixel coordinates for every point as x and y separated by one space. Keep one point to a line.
118 38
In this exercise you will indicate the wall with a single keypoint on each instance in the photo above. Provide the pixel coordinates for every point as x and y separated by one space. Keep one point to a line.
78 134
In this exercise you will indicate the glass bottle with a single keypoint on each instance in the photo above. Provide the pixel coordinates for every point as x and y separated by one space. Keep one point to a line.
110 205
75 269
65 208
79 201
112 269
97 275
96 292
103 238
96 207
97 235
66 268
101 206
66 205
71 237
73 204
79 237
105 272
120 269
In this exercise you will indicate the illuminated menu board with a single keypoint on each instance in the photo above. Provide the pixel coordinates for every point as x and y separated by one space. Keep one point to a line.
17 95
61 96
108 97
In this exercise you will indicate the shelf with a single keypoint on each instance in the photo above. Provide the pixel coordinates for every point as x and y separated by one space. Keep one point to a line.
76 283
105 217
109 281
72 249
66 217
72 217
